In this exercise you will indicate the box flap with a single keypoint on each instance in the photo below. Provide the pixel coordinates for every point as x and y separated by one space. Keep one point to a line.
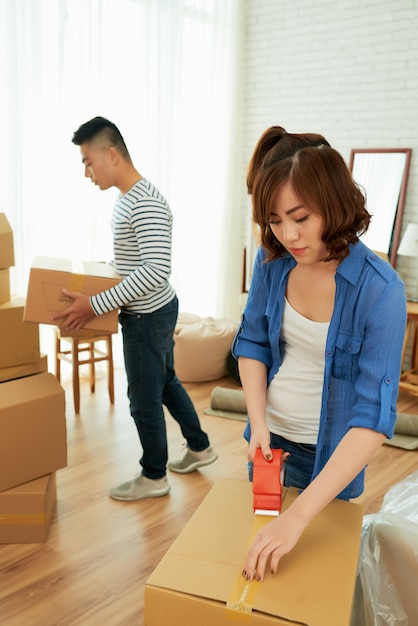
88 268
7 257
5 227
27 390
207 557
14 303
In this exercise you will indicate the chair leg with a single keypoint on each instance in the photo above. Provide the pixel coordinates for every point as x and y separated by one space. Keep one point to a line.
110 375
57 359
92 369
77 362
76 376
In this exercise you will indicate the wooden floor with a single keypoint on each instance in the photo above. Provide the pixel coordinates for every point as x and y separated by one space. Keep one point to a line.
100 552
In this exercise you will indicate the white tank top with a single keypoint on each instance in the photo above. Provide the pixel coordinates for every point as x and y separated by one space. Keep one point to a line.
294 395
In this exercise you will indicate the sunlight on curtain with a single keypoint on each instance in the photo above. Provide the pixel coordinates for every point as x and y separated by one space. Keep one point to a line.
166 72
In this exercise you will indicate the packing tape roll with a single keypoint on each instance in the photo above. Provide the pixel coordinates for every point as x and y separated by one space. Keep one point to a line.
228 400
267 484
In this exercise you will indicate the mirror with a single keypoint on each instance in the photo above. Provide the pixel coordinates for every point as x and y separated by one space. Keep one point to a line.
383 174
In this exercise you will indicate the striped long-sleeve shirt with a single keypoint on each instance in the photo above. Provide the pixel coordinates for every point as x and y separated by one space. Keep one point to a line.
142 236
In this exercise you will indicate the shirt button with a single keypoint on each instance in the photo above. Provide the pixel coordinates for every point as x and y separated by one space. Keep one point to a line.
329 353
388 381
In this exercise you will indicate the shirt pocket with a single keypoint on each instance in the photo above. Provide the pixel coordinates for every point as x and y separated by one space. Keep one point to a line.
347 353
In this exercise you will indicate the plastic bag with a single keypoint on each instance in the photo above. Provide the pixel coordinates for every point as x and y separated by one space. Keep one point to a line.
387 580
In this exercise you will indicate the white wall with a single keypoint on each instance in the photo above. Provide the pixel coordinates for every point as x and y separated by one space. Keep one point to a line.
345 68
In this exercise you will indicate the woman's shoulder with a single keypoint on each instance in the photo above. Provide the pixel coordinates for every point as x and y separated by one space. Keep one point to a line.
383 268
361 257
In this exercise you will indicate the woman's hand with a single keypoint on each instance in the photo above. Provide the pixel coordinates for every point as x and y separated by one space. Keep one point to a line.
260 438
271 543
281 535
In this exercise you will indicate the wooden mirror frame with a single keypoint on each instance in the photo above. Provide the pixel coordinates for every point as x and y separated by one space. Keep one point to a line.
399 209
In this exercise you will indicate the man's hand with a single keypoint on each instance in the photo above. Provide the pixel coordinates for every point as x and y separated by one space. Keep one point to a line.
77 314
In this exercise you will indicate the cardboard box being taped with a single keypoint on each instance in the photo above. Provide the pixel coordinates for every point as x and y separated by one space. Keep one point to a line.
49 275
26 511
197 579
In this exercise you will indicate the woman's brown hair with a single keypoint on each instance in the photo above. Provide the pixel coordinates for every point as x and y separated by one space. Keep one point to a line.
320 179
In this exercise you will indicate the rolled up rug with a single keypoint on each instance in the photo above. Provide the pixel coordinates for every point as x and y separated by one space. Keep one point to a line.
229 403
406 432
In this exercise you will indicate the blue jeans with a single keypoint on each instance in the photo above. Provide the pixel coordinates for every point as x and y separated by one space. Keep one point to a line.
152 382
299 465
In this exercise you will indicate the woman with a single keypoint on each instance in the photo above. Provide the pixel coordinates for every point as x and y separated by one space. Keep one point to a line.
319 347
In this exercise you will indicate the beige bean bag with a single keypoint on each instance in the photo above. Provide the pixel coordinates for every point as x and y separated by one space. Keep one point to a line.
201 347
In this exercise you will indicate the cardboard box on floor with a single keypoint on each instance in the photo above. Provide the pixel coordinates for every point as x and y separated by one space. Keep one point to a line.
7 256
19 341
49 275
33 439
314 584
26 511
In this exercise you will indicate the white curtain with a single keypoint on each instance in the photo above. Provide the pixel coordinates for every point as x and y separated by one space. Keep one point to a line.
167 73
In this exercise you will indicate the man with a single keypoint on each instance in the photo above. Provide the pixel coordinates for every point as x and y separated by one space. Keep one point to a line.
142 235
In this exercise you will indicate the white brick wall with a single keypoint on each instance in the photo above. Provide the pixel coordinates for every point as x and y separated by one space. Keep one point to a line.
345 68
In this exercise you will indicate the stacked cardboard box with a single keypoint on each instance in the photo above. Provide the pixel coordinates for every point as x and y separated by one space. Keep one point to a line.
32 418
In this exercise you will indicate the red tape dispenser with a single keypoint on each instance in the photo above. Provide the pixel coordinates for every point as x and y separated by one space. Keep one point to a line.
267 486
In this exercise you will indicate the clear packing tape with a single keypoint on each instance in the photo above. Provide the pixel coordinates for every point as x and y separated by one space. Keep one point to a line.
387 579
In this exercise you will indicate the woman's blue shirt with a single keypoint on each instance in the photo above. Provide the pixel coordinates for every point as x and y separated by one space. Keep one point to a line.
363 348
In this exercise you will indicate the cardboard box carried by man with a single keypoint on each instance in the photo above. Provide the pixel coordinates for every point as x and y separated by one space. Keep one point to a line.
49 275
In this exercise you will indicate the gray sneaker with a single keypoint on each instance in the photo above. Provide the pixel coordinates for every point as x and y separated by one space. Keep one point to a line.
192 460
140 488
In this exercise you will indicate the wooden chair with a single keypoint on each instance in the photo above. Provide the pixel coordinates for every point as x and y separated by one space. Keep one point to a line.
83 351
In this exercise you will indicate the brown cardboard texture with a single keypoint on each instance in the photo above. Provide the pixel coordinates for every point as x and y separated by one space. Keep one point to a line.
7 255
82 334
19 341
28 369
314 584
49 275
26 511
4 285
32 429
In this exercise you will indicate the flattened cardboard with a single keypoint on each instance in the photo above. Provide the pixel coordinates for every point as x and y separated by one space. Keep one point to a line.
19 341
4 285
7 255
26 511
33 439
28 369
314 584
49 275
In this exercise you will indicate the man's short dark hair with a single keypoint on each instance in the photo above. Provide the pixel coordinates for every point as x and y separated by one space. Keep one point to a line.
100 128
